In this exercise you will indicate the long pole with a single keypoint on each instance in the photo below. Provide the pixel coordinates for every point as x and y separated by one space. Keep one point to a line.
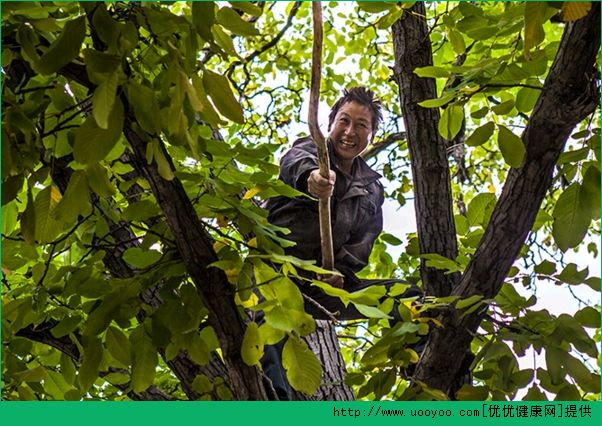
318 137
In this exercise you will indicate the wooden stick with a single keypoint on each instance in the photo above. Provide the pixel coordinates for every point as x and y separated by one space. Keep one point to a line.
318 138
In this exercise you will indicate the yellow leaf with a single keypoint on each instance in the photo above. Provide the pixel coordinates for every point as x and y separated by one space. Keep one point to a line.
252 242
573 10
249 303
217 246
232 275
5 271
414 357
55 194
491 188
251 193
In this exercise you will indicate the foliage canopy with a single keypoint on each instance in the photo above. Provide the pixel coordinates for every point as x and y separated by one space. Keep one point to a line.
137 139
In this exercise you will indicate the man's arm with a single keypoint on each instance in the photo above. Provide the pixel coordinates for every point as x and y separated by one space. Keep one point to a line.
355 253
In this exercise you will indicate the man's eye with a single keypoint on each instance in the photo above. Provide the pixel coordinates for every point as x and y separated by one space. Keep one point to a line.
344 120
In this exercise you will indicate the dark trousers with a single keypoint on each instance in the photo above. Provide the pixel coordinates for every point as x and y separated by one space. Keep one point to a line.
272 357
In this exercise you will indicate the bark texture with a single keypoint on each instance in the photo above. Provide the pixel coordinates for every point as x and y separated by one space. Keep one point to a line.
195 248
324 342
430 169
570 94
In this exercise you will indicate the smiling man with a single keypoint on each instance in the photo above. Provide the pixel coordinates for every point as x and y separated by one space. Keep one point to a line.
356 203
356 213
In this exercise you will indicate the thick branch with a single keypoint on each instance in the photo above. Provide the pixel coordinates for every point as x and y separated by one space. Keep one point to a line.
430 170
569 95
195 247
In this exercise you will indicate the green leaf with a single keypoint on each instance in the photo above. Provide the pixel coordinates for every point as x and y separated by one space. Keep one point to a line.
503 108
144 359
438 102
457 41
93 144
472 393
432 71
89 369
104 99
100 64
146 107
535 15
375 6
588 317
76 199
99 180
66 326
140 258
571 218
203 17
118 345
534 394
201 384
246 7
469 301
577 370
554 360
511 146
589 195
197 349
434 260
141 210
481 134
105 26
223 40
568 393
371 311
28 220
545 267
270 335
571 275
451 121
252 345
390 239
218 88
303 369
163 165
64 49
526 98
231 20
46 227
480 209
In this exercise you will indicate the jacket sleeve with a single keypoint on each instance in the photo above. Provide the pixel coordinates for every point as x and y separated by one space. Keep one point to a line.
297 163
355 253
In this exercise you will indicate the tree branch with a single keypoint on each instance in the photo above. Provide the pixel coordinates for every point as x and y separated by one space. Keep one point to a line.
569 95
430 169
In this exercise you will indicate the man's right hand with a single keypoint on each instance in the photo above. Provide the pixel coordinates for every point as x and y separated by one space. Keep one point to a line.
320 187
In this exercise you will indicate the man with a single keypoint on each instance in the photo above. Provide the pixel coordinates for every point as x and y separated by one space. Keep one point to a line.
356 203
356 210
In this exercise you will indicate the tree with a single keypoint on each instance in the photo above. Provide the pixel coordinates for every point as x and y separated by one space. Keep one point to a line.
138 138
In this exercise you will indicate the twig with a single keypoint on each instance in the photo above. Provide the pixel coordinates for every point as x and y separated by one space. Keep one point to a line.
329 314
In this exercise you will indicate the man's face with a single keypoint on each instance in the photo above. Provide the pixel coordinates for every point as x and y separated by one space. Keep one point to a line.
351 131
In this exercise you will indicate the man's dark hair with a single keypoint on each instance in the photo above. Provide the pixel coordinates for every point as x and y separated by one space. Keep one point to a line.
362 96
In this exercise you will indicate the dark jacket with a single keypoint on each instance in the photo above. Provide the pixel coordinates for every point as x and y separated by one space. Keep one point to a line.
356 210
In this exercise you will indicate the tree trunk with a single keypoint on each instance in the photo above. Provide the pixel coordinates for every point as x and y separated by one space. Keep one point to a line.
569 95
430 170
325 344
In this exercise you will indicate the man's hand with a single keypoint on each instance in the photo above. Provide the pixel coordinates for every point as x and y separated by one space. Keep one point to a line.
320 187
333 280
